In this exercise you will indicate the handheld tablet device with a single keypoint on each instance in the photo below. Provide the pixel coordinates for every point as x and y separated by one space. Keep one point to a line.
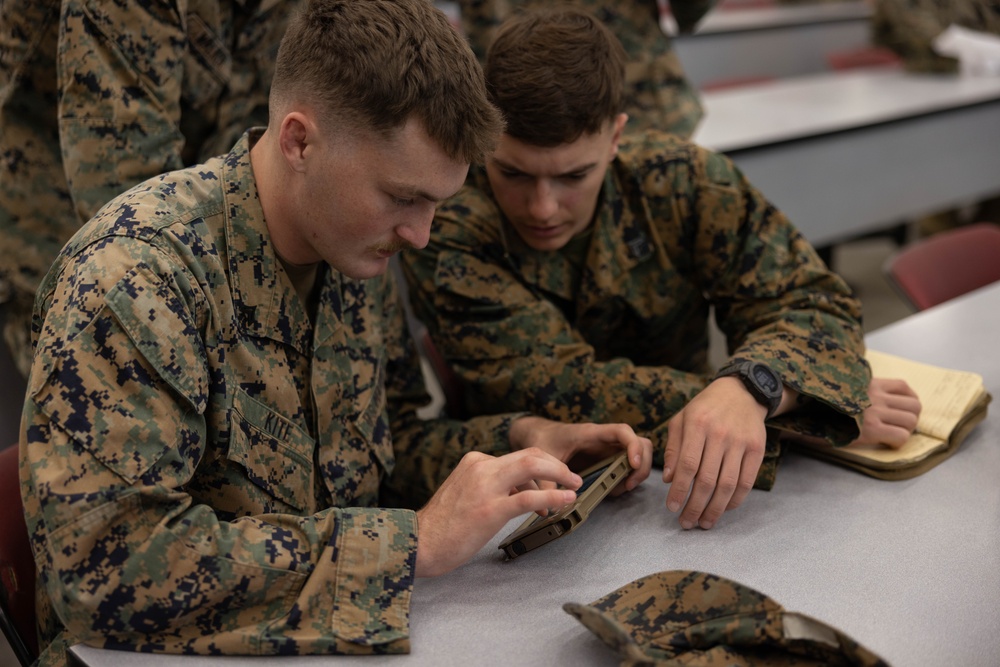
598 481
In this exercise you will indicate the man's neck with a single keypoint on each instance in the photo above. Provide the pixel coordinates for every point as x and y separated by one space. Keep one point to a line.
272 191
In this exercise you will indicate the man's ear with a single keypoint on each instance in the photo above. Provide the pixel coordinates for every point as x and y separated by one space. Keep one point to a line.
618 126
295 138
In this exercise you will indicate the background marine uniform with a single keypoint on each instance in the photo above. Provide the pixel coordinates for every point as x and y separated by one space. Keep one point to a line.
908 27
98 96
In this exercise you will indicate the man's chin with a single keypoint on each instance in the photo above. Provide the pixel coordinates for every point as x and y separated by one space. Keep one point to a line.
542 240
371 268
547 244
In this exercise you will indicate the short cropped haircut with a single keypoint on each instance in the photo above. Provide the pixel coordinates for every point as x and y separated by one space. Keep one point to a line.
374 64
555 75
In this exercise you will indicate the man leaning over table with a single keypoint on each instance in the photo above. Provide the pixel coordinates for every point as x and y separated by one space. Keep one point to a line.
221 413
574 274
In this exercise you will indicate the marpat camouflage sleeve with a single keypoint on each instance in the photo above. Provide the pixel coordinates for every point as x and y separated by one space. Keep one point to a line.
426 451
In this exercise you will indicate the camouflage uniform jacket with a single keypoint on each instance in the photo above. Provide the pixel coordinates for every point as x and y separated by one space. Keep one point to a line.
908 27
658 94
97 96
202 467
624 338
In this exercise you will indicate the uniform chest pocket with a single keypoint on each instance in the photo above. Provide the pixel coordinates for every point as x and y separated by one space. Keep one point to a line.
360 453
371 423
276 454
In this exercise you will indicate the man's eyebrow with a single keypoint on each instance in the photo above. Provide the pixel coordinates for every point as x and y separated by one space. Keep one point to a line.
576 170
406 190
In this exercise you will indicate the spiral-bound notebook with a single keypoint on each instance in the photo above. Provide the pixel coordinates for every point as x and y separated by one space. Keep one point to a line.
952 403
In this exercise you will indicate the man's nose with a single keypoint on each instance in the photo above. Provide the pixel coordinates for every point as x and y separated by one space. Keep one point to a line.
417 232
542 204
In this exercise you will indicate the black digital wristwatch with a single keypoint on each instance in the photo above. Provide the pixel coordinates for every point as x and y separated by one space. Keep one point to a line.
762 382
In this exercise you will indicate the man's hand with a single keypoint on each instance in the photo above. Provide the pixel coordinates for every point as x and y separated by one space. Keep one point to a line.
892 416
583 444
715 446
479 497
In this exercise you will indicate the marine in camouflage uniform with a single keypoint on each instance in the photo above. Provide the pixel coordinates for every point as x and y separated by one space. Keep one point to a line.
658 94
98 96
908 27
614 326
202 465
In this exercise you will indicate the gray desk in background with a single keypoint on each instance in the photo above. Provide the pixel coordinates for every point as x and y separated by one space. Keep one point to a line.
771 41
853 152
911 569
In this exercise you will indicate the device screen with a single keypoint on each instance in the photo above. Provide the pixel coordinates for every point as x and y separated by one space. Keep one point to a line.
597 482
589 480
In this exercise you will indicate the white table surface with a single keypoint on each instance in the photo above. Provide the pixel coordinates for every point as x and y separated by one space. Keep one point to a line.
801 107
911 569
738 19
780 41
843 154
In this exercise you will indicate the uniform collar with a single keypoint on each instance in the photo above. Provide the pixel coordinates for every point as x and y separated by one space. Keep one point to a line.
264 296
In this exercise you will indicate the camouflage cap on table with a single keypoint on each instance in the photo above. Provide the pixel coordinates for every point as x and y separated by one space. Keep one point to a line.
692 618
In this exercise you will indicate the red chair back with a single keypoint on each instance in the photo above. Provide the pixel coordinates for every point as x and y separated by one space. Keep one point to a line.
17 566
946 265
734 82
866 56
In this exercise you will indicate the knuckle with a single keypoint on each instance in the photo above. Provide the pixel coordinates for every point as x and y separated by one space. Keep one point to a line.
531 467
727 485
688 464
706 480
711 515
700 420
474 458
756 448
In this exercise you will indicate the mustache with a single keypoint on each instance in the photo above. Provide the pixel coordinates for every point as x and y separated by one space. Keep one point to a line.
392 247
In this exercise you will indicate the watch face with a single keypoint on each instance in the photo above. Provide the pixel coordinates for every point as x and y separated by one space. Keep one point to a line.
765 379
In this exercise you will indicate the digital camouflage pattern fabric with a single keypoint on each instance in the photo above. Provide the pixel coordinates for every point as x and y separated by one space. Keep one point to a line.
205 469
98 96
616 330
658 95
693 619
909 26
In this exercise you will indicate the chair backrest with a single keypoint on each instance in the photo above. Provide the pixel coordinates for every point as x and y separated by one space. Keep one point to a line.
946 265
865 56
735 82
12 389
17 567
